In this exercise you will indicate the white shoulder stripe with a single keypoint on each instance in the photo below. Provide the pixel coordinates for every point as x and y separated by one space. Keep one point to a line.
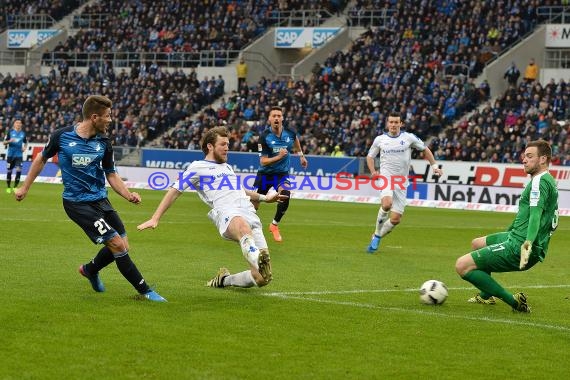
534 196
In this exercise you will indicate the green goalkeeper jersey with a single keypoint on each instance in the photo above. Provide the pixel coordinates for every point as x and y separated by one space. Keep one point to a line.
537 217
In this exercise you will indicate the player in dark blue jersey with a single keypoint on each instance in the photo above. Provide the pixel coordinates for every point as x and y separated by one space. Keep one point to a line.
276 145
17 143
85 158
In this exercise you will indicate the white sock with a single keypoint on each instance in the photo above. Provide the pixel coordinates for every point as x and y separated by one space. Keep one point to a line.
381 219
241 280
249 250
274 222
387 227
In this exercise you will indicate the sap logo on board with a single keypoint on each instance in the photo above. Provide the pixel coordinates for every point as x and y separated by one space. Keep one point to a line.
320 36
287 37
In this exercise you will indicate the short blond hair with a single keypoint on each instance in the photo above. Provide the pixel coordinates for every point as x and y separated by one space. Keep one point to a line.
95 104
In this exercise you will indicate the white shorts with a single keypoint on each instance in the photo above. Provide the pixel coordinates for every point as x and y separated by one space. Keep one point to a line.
398 199
222 219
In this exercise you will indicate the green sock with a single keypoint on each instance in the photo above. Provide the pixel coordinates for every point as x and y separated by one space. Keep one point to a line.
488 286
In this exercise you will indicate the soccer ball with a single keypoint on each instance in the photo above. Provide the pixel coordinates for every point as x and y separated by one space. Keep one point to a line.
433 292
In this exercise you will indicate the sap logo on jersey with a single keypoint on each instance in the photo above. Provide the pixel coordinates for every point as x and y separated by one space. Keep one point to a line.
287 37
82 160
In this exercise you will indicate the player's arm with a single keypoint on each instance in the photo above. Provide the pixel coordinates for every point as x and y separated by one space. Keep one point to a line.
533 223
264 152
371 157
119 186
169 198
304 162
50 150
266 160
274 197
428 155
531 234
25 144
36 168
115 181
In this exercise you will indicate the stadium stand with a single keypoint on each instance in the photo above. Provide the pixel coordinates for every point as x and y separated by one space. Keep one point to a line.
145 105
418 65
13 10
499 131
422 65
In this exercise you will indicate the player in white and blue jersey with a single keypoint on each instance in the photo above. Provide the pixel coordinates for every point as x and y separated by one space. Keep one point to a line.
17 143
276 144
85 157
231 210
395 149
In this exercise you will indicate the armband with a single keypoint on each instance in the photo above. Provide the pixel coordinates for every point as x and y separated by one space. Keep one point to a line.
262 198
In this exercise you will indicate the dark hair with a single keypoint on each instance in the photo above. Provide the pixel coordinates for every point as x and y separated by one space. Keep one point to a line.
543 148
276 108
95 104
211 136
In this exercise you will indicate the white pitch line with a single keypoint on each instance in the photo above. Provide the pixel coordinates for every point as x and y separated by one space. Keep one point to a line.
361 291
431 313
302 296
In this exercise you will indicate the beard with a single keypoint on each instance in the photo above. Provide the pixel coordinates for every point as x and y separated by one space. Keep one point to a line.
219 158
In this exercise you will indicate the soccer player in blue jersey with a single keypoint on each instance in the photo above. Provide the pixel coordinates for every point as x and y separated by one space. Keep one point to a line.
17 143
526 241
276 145
85 158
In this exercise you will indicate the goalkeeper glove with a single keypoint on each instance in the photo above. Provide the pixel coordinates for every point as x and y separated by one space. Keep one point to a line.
526 248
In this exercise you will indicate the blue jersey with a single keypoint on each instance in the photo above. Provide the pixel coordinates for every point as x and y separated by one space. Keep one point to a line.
83 163
269 145
15 147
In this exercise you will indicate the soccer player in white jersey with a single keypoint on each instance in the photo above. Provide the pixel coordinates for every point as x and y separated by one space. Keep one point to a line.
231 210
395 148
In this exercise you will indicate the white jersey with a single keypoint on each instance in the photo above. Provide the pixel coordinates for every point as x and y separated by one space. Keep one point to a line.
395 152
216 184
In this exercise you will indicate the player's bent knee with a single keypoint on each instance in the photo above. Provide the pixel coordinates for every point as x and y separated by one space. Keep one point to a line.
464 264
117 244
478 243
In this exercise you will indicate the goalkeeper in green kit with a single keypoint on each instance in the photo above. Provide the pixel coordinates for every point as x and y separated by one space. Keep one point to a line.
526 241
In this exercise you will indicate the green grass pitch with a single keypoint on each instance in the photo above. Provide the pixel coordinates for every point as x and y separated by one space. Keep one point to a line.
332 311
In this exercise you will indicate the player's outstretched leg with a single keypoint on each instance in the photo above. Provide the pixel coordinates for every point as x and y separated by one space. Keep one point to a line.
218 280
485 301
151 295
521 303
264 263
95 281
274 229
374 244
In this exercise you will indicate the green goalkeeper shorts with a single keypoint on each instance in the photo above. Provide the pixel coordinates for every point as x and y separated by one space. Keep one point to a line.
501 255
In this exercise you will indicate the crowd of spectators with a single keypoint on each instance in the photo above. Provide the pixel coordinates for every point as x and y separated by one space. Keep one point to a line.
145 103
500 131
401 68
175 31
12 10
